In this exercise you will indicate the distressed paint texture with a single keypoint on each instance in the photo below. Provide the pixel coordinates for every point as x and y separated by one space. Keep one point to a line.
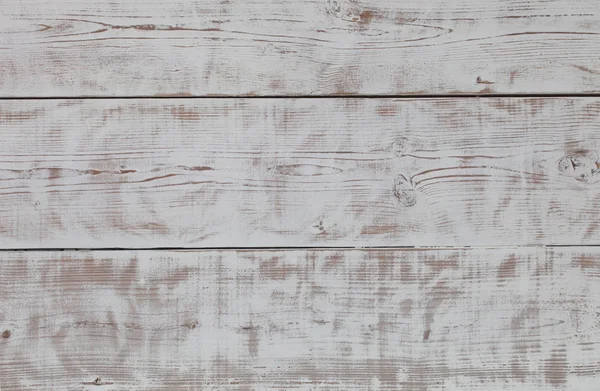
502 180
299 172
297 47
452 319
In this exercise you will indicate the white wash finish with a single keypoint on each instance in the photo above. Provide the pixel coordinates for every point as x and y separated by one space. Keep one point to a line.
74 48
452 319
272 198
299 172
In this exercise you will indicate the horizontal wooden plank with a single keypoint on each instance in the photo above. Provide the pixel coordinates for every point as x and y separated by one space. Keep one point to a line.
453 319
297 47
238 173
299 172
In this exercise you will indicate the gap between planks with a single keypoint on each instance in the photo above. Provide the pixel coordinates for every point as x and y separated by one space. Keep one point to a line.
293 248
350 96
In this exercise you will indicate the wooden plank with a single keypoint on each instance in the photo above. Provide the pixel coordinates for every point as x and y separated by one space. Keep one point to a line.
299 172
297 47
446 319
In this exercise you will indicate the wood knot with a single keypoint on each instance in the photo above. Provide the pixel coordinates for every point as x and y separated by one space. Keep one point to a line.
404 191
97 382
349 13
400 146
6 334
334 7
583 167
479 80
322 227
319 226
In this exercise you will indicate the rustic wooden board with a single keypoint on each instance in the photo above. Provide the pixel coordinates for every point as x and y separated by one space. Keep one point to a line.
452 319
297 47
299 172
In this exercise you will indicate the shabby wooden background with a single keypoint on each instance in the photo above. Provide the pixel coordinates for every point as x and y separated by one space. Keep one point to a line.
300 195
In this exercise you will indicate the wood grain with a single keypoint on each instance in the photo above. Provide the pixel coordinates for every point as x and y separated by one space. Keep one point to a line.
73 48
446 319
299 172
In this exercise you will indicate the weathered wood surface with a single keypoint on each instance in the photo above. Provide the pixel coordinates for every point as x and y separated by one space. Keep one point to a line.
296 47
299 172
453 319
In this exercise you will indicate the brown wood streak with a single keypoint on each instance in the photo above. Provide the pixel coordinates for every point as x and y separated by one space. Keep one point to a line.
304 47
427 319
296 172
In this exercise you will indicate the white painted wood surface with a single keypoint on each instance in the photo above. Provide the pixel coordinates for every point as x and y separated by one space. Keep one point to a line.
297 47
485 188
451 319
299 172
